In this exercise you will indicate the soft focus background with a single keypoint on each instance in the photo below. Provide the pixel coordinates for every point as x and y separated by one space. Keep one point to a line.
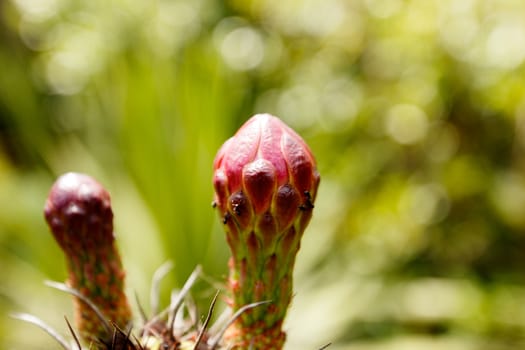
414 109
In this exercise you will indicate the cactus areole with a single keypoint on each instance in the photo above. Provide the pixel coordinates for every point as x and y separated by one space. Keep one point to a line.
265 181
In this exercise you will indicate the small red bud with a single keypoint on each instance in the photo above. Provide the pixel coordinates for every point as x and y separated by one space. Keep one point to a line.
78 211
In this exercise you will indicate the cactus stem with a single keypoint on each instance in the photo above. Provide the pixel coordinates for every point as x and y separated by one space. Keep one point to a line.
265 181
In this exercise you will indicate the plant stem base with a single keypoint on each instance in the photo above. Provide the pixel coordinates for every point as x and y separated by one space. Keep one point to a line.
255 337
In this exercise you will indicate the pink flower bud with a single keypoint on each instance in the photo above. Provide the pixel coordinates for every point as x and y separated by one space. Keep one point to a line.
265 158
265 184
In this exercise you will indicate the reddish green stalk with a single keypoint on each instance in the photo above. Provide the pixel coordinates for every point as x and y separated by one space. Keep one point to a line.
265 184
78 212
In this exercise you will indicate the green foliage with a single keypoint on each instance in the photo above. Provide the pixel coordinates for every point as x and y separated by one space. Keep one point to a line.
415 111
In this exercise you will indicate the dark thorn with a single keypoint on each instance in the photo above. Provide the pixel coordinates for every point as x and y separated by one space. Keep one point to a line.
307 205
214 204
128 338
77 341
325 346
139 345
121 338
226 218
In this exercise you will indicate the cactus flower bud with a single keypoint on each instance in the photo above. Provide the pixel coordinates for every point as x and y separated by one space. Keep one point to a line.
265 181
78 212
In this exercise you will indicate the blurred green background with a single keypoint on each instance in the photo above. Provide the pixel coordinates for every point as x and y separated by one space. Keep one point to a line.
415 111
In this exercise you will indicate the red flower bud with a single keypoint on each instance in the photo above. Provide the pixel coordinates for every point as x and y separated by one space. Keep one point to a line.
265 184
78 212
